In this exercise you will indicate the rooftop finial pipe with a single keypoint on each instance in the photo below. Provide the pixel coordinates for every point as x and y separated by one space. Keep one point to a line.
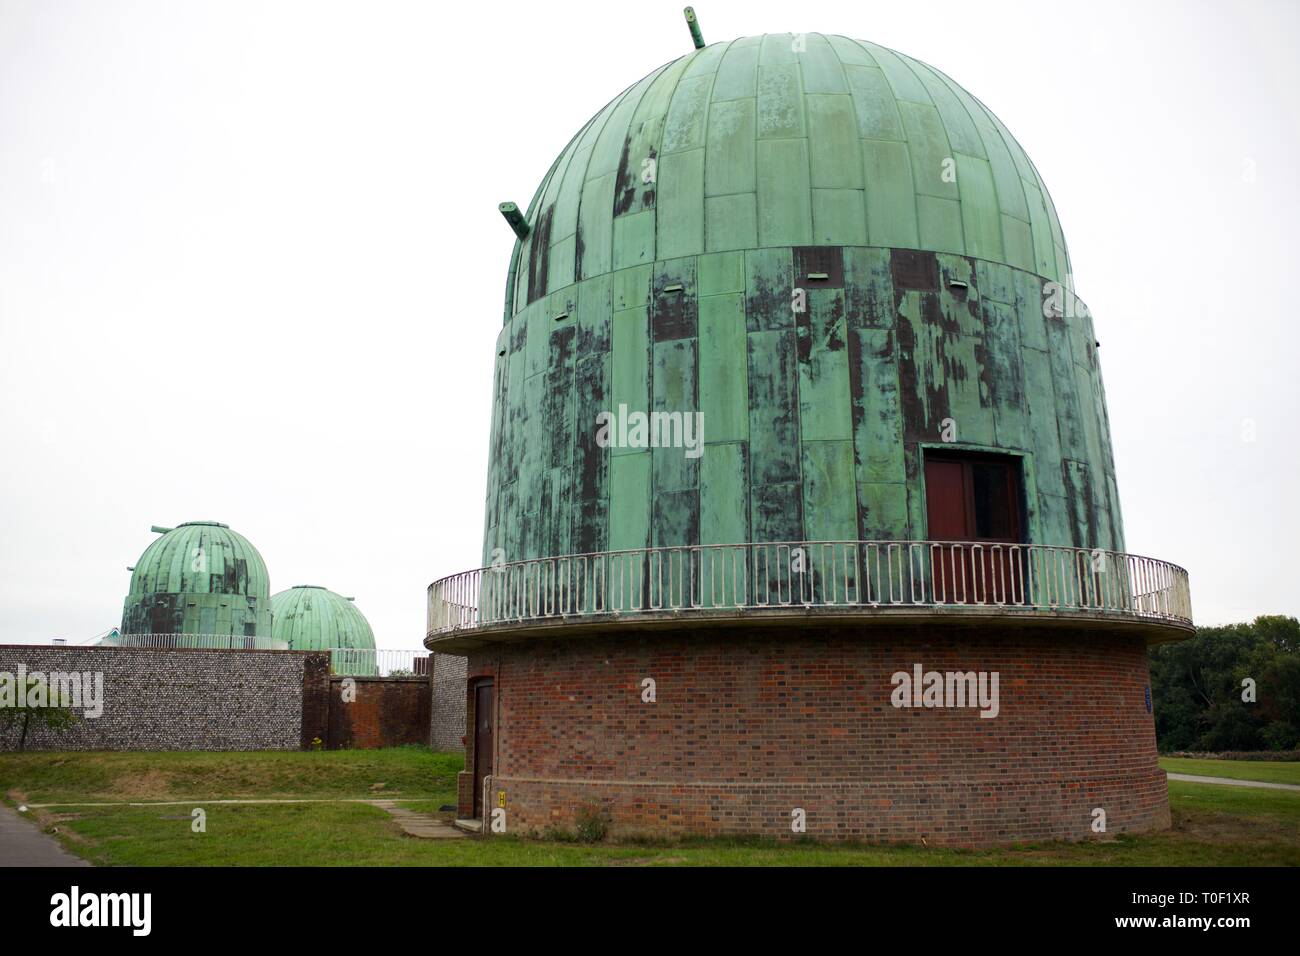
515 218
694 24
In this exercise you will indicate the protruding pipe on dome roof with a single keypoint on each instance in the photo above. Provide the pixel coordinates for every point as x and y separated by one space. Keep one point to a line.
693 22
515 218
159 529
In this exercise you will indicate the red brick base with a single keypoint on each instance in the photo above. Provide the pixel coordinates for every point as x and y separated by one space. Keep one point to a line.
750 726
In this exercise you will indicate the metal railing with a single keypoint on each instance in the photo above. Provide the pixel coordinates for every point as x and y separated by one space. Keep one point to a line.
384 662
209 641
846 575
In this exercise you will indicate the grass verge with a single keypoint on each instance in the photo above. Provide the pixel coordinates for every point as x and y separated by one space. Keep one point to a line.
73 777
1270 771
1213 825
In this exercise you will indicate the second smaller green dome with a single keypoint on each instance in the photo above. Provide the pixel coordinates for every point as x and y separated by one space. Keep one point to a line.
312 618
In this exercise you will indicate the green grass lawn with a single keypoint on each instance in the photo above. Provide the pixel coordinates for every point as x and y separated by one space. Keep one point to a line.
1214 826
1270 771
406 772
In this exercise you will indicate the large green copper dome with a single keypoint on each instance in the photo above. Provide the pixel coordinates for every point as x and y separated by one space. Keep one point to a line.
311 618
199 578
787 140
838 262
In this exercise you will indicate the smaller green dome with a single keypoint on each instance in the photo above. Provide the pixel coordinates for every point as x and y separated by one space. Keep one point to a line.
312 618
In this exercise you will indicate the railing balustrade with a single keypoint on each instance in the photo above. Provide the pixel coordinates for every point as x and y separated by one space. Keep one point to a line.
847 575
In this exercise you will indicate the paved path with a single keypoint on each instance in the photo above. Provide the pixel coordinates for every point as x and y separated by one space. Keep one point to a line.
419 824
23 844
1232 782
413 824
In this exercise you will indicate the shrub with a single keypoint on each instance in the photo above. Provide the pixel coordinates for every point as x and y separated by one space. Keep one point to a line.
49 708
591 823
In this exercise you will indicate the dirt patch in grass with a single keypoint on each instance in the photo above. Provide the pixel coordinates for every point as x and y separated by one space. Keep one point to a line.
59 825
143 785
1206 827
646 861
407 772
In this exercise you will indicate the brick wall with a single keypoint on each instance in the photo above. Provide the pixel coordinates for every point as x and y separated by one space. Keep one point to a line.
748 727
316 701
385 712
157 699
448 724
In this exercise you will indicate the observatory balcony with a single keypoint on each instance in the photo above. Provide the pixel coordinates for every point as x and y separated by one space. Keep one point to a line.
807 581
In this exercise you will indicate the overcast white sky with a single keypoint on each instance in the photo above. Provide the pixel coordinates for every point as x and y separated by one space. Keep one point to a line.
251 267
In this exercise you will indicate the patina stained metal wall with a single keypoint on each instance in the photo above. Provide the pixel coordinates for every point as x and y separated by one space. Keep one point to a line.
836 255
199 578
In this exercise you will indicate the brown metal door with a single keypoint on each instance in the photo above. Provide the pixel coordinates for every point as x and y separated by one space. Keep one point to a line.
484 722
945 501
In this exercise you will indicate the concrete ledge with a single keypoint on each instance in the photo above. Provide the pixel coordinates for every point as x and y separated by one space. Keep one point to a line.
1153 630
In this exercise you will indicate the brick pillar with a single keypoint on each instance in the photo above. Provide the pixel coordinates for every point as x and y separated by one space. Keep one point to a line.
430 665
315 699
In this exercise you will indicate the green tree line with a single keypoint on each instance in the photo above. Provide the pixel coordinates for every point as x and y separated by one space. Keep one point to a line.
1202 688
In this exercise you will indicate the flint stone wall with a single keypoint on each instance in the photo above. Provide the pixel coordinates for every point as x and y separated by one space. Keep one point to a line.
448 724
155 699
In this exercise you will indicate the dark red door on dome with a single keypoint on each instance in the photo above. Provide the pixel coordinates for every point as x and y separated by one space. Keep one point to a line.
484 725
976 499
945 500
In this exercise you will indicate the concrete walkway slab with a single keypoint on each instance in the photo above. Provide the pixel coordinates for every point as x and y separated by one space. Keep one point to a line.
1231 782
419 824
23 844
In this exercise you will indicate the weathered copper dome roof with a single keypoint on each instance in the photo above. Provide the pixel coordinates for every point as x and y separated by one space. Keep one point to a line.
199 578
309 618
787 140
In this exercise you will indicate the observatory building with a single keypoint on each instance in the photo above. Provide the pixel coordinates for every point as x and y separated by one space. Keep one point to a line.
198 578
202 585
801 515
